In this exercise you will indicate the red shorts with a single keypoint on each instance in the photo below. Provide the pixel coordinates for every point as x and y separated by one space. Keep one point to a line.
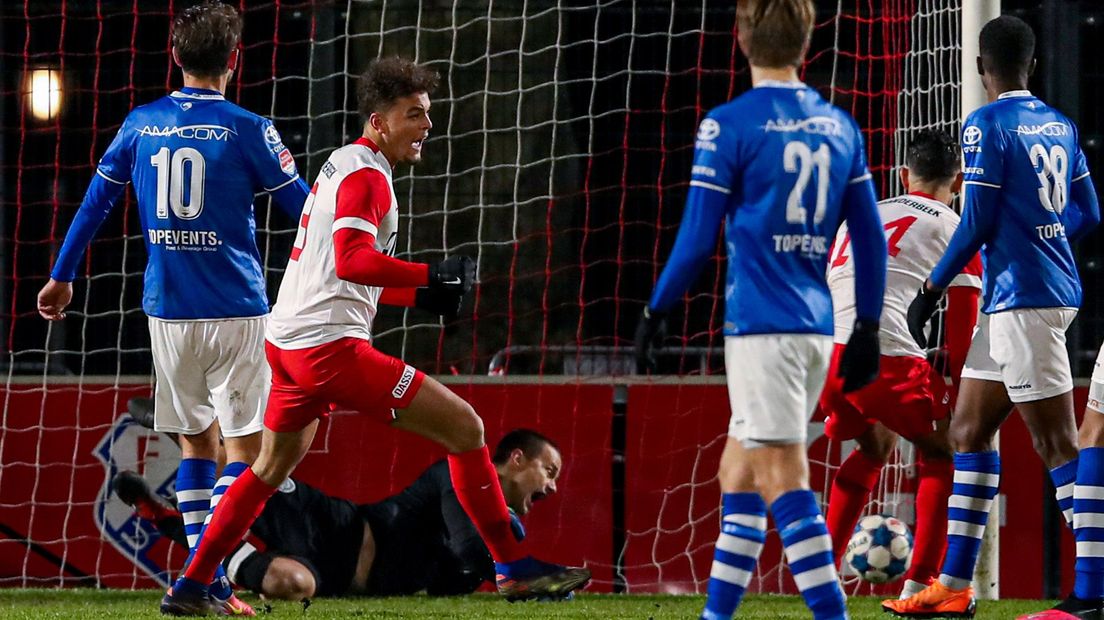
347 374
900 398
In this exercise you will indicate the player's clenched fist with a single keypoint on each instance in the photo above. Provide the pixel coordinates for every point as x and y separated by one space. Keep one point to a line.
455 273
53 298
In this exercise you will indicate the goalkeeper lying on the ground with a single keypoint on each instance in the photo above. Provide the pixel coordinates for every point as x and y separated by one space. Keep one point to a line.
306 543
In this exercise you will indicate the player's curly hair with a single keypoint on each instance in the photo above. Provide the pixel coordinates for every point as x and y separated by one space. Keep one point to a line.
775 33
933 155
530 443
1007 47
389 79
204 35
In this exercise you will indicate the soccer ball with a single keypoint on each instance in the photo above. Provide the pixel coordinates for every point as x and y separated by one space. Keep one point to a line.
880 550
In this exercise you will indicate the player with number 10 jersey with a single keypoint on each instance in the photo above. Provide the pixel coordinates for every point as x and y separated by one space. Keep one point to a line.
196 161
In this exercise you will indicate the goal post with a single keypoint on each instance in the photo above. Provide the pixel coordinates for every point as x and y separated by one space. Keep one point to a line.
975 14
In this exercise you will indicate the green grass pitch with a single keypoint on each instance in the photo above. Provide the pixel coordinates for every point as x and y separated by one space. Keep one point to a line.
90 604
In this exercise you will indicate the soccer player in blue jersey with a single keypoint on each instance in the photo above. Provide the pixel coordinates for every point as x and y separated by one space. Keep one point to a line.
781 167
196 161
1028 194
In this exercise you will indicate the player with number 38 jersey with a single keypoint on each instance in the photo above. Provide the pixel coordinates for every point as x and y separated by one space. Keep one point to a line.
1030 151
1028 195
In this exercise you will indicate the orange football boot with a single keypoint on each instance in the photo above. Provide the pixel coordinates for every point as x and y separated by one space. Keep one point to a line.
934 601
232 606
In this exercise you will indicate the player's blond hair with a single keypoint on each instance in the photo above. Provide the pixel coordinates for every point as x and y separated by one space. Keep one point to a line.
775 33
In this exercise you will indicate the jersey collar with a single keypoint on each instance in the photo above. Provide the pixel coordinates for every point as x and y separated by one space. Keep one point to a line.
780 84
188 92
364 141
1014 93
929 198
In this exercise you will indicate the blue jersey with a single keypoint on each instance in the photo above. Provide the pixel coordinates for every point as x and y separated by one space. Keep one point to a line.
1022 157
780 163
196 161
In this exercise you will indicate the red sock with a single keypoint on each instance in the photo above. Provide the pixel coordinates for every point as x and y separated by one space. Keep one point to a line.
930 542
476 484
850 491
239 507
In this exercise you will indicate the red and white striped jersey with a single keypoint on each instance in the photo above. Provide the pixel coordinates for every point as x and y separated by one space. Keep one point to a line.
918 230
314 306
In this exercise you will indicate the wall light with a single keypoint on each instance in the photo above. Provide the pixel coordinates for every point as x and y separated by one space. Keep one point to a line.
45 93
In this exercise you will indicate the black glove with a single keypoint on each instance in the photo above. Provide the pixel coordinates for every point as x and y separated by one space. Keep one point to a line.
858 366
650 332
455 273
920 311
438 301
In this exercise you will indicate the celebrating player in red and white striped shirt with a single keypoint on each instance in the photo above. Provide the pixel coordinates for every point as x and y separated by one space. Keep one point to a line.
918 228
319 343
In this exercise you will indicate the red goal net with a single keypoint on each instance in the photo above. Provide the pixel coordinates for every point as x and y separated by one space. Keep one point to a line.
559 159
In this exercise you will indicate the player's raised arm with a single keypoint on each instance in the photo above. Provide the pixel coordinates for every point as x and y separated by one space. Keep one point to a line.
697 237
108 184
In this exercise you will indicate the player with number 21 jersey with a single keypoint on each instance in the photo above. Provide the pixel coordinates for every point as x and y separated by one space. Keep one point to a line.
781 167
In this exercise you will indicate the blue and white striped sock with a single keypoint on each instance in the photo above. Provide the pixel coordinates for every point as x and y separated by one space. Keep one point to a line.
743 530
976 481
809 553
1063 478
220 587
1088 524
194 480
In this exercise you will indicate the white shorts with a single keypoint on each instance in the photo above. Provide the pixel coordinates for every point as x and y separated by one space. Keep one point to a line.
1096 386
774 382
207 370
1025 349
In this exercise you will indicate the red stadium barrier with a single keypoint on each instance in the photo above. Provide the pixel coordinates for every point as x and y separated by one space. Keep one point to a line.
60 526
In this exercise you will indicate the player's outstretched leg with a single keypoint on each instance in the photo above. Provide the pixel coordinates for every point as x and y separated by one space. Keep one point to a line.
134 491
222 595
438 414
240 506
